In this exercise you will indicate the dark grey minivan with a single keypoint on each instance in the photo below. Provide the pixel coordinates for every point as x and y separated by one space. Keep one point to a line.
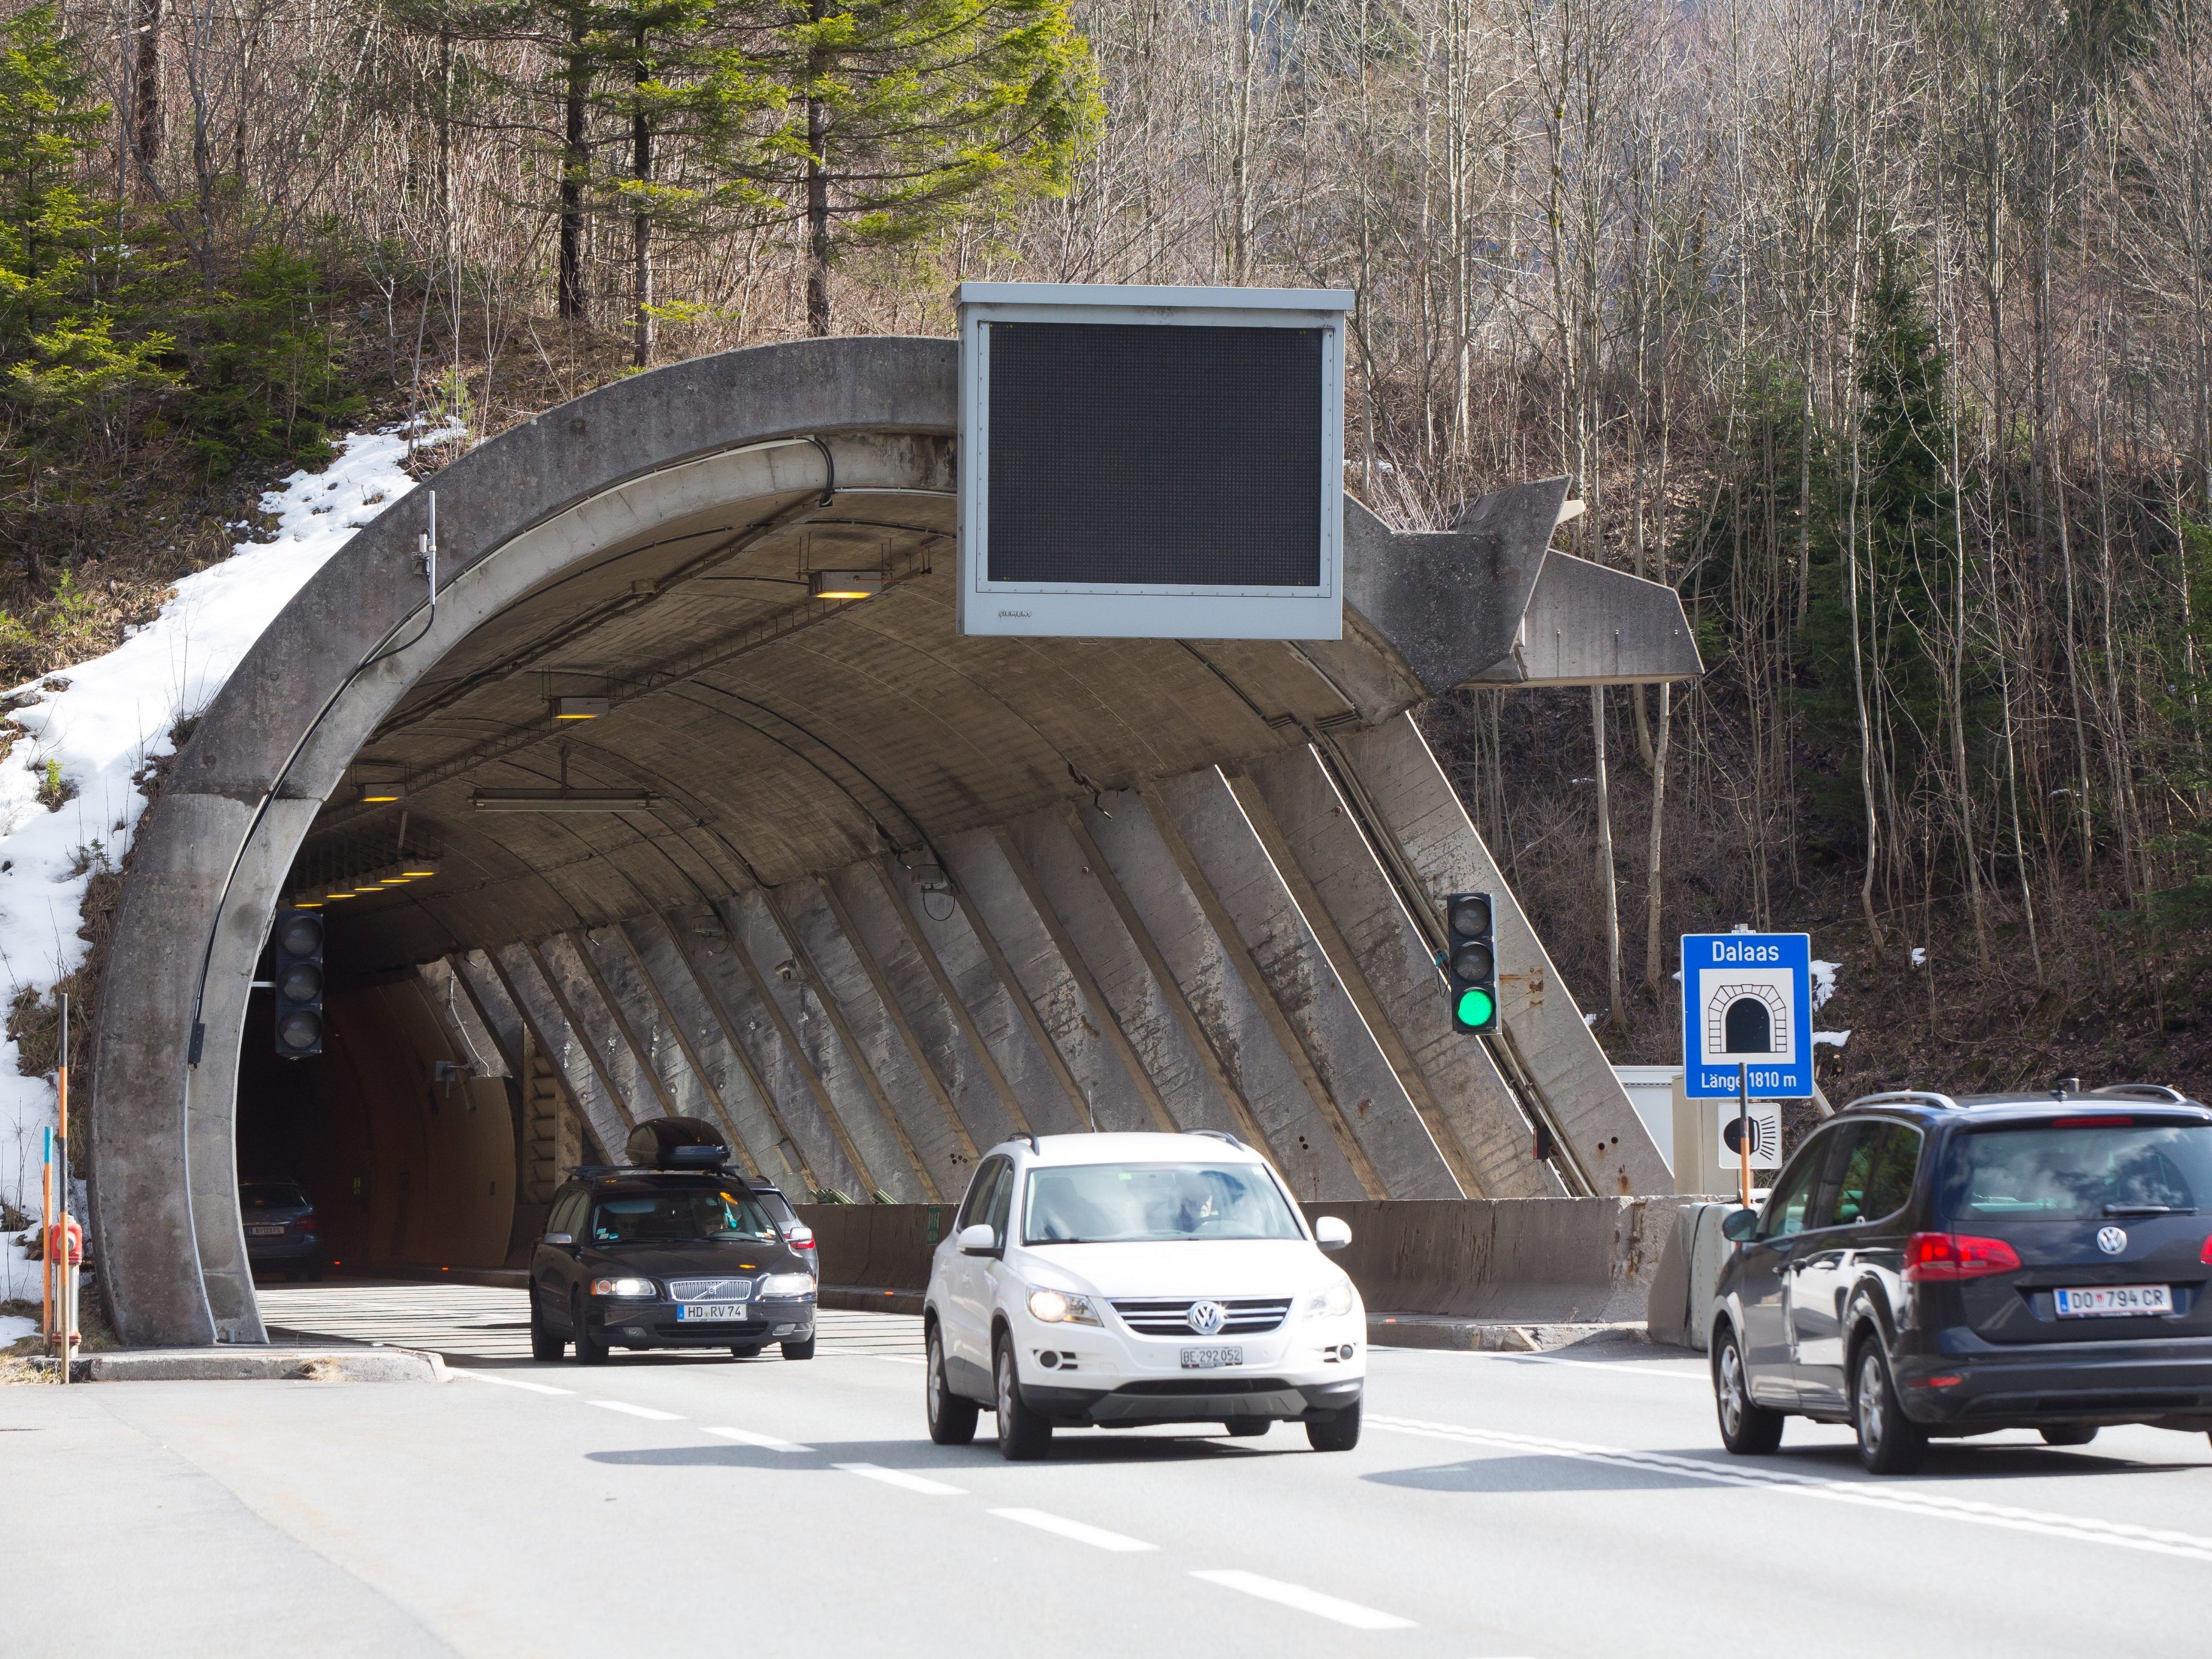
1928 1267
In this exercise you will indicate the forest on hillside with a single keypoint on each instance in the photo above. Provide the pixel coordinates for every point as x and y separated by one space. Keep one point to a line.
1881 329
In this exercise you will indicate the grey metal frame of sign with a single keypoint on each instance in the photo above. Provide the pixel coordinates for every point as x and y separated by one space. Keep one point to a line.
1163 611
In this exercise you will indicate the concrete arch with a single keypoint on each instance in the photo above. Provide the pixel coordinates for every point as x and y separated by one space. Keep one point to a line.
769 943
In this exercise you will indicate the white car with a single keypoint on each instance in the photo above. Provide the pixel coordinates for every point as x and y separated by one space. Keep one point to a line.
1118 1280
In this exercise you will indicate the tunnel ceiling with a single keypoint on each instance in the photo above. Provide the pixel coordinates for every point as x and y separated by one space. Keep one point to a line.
784 735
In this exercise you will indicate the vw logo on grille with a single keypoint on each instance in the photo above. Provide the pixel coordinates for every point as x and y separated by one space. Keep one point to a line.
2111 1240
1205 1317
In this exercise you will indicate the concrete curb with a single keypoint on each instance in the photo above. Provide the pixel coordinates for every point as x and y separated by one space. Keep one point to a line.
257 1365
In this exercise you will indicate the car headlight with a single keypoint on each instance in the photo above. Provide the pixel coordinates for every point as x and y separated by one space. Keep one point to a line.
629 1287
1062 1308
1336 1300
786 1284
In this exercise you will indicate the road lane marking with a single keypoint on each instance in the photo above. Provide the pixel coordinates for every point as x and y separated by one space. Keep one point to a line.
2154 1541
765 1442
1305 1601
628 1409
1096 1537
897 1358
901 1479
508 1382
1639 1367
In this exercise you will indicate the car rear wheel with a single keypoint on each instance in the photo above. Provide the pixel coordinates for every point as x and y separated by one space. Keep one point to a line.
1747 1429
543 1344
1339 1431
1248 1428
952 1418
745 1350
1890 1443
800 1350
1023 1436
2070 1434
590 1350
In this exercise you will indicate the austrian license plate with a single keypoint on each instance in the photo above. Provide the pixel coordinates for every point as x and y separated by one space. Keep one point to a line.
703 1310
266 1232
1211 1359
2114 1301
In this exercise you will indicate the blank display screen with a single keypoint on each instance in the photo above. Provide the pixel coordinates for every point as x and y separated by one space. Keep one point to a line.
1129 454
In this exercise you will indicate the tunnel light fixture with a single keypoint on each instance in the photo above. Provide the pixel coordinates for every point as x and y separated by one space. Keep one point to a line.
581 708
846 584
380 794
564 800
417 869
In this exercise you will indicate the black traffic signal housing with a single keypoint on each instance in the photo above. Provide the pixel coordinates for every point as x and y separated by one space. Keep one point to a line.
1471 962
297 976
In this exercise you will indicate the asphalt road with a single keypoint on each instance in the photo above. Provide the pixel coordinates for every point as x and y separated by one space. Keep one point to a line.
1498 1506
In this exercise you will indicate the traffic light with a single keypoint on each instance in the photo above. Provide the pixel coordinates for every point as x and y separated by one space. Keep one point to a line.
297 978
1471 963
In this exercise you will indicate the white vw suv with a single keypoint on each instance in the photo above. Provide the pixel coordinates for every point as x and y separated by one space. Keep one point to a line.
1115 1279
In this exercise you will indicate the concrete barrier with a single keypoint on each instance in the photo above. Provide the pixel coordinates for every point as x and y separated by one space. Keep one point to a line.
1524 1261
1689 1272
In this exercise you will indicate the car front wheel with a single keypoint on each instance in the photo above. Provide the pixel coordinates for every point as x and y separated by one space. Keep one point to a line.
951 1419
1339 1431
1890 1443
590 1350
543 1344
1749 1429
2070 1434
800 1350
1023 1436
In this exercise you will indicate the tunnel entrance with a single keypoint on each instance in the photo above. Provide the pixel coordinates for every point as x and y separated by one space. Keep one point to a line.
1749 1027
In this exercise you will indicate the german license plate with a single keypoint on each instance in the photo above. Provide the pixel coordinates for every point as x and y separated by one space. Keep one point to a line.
1211 1359
691 1311
2114 1301
266 1232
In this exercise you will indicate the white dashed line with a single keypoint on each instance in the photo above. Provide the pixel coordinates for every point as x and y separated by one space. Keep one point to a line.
1096 1537
902 1480
897 1358
628 1409
508 1382
1899 1500
1306 1600
765 1442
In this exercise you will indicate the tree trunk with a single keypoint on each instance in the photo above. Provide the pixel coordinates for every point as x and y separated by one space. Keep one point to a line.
1607 879
817 192
146 94
576 164
640 137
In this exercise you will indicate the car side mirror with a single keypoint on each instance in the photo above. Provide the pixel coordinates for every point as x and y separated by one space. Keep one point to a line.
1331 1233
1739 1226
979 1240
561 1239
800 1237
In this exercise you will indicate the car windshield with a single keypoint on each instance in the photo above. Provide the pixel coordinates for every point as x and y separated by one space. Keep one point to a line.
1130 1203
2079 1173
680 1216
271 1195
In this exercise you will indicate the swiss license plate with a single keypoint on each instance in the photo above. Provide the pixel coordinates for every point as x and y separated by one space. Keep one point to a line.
1211 1359
266 1232
2114 1301
703 1310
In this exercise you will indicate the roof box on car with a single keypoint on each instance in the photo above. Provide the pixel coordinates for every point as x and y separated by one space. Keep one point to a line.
676 1143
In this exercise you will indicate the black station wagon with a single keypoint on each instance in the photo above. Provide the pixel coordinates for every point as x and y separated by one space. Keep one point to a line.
1930 1267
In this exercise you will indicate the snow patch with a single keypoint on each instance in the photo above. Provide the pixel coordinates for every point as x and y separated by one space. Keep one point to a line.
94 726
1919 956
1823 983
1834 1039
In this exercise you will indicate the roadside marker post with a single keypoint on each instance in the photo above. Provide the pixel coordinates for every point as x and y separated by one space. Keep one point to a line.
46 1235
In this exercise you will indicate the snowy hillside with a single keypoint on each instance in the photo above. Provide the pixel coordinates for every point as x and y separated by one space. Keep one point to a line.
69 799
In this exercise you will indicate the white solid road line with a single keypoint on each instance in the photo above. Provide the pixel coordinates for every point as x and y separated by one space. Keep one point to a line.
1636 1368
1306 1600
506 1382
1902 1500
628 1409
765 1442
1096 1537
902 1480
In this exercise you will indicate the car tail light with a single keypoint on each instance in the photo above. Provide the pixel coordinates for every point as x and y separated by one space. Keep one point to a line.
304 1222
2205 1255
1957 1256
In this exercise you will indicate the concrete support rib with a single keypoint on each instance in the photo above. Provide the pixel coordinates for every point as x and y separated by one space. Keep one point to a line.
1300 990
1386 969
933 1147
660 945
1438 844
973 976
1194 949
466 1027
623 1057
1071 1021
560 1041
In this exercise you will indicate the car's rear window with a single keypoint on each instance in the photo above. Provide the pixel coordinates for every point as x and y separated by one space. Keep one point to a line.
271 1195
1135 1203
2078 1173
777 1205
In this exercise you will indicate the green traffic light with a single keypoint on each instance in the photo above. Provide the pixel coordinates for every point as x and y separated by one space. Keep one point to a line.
1477 1007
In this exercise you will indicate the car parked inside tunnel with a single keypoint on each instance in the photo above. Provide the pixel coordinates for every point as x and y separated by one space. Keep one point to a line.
671 1251
283 1232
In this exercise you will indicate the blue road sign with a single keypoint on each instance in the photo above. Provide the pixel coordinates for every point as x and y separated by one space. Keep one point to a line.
1747 1001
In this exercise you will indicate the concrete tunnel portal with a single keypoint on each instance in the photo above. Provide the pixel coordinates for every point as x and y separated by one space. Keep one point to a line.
869 894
